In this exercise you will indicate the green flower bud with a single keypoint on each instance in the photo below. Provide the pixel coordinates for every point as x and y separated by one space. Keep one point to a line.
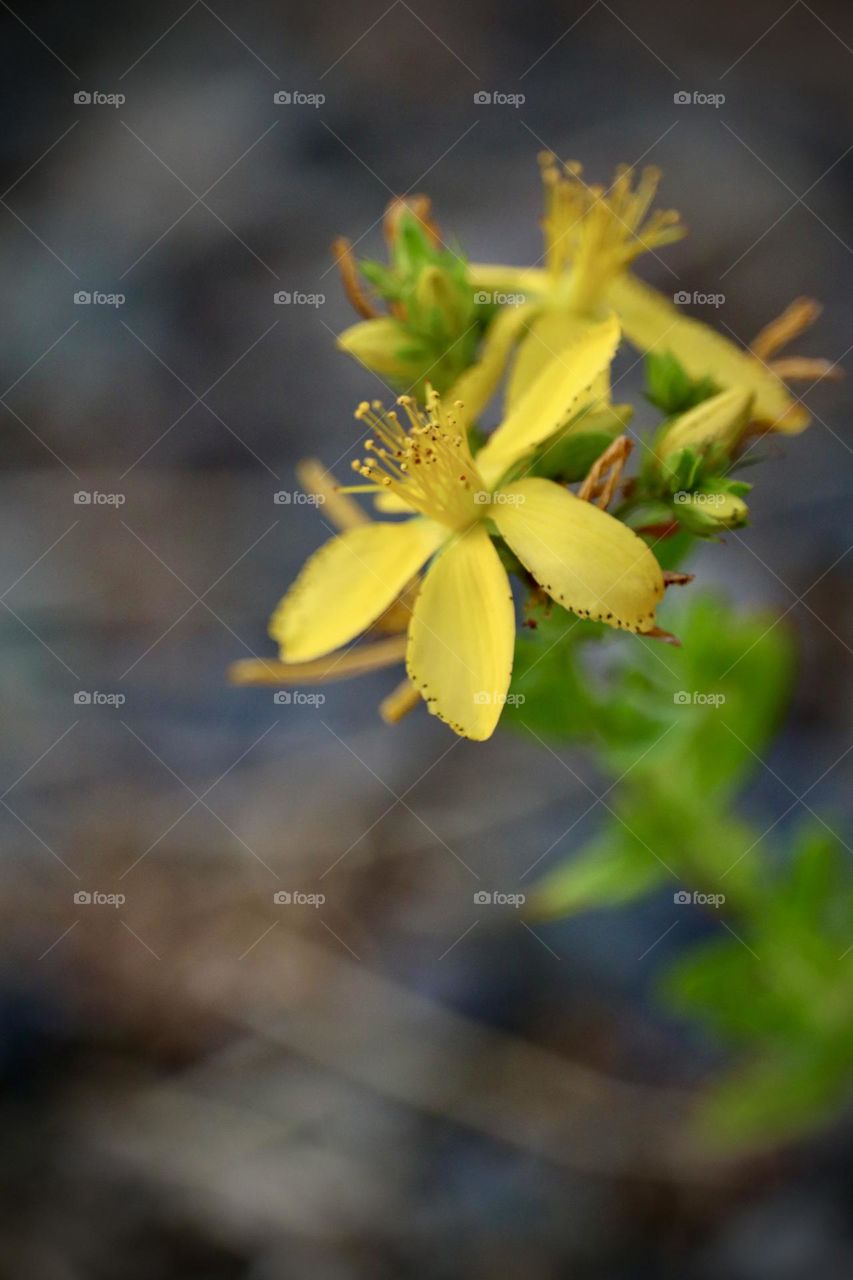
434 289
388 348
442 304
717 422
708 511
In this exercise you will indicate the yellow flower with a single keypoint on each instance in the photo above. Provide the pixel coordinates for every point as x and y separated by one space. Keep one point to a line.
592 236
462 627
652 323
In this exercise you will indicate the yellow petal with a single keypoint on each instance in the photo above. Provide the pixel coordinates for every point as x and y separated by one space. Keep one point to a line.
348 583
797 317
399 702
807 369
361 659
652 323
549 335
533 282
721 419
585 559
462 635
339 508
550 400
476 386
391 504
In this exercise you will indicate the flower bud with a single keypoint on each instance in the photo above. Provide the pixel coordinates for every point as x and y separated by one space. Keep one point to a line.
719 421
438 299
388 348
708 511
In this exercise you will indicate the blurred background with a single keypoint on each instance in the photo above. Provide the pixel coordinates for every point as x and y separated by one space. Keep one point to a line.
196 1079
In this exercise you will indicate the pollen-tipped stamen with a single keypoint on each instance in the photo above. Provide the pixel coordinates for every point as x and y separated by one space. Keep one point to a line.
427 463
597 231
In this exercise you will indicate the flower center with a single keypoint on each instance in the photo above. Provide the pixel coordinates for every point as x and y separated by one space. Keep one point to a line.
596 232
427 463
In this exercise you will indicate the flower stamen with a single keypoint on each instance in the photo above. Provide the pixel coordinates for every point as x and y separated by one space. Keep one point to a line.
596 231
427 462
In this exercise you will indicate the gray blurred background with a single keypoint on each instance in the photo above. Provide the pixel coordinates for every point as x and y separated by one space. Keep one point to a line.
200 1082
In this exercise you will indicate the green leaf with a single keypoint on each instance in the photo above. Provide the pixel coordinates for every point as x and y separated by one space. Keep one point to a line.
775 1098
611 871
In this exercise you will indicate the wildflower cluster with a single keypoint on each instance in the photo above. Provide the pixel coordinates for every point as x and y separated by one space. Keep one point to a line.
544 517
478 504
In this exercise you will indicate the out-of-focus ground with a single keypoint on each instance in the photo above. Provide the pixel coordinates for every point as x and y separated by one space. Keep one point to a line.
206 1082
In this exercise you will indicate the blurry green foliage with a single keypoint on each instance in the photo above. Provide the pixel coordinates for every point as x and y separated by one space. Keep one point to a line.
681 729
785 999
